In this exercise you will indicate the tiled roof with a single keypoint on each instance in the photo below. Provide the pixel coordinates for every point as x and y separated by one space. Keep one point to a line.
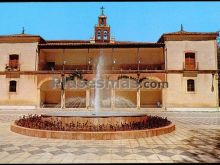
21 38
188 33
20 35
87 41
67 41
185 33
98 45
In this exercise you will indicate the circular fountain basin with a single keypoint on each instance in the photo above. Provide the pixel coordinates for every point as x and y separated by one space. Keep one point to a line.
98 118
104 117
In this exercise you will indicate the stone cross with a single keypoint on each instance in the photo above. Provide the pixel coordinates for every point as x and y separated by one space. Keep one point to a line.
102 8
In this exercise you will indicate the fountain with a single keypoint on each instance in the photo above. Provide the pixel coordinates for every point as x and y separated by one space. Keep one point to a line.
73 102
99 70
97 124
80 102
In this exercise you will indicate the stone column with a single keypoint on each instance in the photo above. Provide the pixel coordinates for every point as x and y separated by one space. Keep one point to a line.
112 98
38 98
163 91
138 98
62 99
87 98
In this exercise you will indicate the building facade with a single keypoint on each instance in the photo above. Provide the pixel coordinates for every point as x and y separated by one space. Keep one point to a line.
187 61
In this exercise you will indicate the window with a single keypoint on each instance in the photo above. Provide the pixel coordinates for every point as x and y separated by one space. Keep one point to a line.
190 85
12 86
105 35
99 34
13 61
190 63
102 22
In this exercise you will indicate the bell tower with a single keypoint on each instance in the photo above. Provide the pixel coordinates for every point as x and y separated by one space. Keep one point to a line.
102 30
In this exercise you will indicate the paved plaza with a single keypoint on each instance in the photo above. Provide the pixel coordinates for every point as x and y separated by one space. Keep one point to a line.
196 139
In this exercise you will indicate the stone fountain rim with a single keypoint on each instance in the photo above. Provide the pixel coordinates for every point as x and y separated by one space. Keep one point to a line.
92 135
104 114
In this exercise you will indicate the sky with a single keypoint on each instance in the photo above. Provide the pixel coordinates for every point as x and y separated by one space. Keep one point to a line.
129 21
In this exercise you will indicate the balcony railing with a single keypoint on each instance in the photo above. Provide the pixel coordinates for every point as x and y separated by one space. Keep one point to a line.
9 67
140 67
191 66
131 67
73 67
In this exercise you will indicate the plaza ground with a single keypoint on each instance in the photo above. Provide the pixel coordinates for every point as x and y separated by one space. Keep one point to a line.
196 139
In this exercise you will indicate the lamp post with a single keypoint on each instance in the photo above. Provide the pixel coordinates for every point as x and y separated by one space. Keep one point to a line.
89 62
139 61
114 61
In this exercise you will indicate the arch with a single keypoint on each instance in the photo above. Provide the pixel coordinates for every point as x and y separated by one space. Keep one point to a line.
50 97
99 34
153 78
126 83
43 81
47 95
105 35
151 97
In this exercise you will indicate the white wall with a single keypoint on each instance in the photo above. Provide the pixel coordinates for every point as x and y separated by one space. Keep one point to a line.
27 84
26 52
176 94
26 93
206 54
